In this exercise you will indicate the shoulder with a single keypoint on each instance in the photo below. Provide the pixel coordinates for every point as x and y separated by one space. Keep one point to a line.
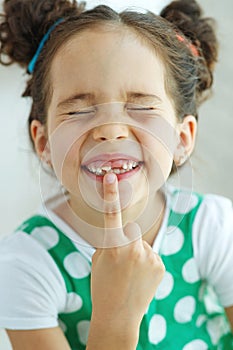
28 242
206 207
27 248
19 250
215 215
19 246
207 217
211 227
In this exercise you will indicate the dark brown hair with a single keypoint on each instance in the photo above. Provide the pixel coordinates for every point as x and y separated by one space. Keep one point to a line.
173 34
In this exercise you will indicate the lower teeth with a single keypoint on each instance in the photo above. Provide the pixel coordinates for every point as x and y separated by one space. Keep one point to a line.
115 171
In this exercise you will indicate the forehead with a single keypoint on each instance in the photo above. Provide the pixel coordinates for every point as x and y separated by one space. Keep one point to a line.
107 61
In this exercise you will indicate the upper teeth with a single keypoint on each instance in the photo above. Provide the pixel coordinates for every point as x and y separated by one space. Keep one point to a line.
126 166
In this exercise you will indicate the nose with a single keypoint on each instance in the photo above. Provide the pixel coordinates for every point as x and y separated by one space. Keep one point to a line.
113 131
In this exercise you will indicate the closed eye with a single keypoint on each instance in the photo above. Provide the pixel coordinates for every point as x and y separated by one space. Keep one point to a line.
82 112
139 111
141 108
78 113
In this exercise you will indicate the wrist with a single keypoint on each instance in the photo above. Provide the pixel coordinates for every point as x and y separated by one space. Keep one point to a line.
113 334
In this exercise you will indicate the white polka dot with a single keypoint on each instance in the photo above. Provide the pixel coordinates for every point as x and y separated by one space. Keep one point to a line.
173 242
200 320
76 265
83 331
157 329
46 235
184 309
184 202
190 272
62 325
216 328
73 303
165 287
196 344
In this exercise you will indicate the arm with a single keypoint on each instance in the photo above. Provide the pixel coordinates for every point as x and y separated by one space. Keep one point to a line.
46 339
101 337
125 275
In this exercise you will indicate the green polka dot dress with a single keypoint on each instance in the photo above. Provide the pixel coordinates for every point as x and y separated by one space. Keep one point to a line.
179 316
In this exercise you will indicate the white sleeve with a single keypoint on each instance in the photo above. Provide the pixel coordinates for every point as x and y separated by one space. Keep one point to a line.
32 291
213 245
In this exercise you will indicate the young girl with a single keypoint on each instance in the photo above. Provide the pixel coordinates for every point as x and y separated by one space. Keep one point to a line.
114 112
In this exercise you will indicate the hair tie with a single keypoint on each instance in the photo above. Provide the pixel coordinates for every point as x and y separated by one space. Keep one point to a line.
191 47
34 59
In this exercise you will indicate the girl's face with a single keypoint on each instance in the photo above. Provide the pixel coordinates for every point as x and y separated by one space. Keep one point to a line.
109 111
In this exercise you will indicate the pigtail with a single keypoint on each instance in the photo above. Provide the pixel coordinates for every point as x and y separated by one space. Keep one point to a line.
23 25
187 17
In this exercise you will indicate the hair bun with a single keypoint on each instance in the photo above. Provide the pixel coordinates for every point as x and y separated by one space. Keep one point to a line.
182 11
187 16
24 23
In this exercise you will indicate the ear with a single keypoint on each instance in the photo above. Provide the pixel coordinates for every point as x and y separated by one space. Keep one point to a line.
40 140
186 139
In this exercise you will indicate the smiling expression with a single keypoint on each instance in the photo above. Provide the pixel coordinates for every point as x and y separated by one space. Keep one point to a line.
110 111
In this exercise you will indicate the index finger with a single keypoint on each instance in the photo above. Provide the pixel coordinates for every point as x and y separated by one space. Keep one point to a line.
115 236
112 207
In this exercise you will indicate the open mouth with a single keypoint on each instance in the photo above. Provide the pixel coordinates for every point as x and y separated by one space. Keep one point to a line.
121 167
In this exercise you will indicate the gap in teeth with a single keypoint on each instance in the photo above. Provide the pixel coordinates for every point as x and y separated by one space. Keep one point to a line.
107 168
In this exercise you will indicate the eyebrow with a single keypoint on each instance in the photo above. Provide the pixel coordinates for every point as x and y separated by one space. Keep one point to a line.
143 96
77 97
90 97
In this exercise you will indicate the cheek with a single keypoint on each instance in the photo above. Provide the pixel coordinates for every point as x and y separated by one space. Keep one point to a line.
159 161
65 144
158 149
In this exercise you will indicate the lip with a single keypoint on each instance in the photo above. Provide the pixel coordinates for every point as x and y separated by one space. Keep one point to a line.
111 157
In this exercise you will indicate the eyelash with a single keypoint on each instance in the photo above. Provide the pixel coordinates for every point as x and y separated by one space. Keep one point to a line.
142 109
79 113
91 112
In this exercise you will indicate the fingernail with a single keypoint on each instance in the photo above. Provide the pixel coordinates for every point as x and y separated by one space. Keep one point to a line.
110 178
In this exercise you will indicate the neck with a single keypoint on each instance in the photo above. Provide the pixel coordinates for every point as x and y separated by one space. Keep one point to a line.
154 219
89 223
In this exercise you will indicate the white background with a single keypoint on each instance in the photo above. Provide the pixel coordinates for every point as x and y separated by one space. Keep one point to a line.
212 161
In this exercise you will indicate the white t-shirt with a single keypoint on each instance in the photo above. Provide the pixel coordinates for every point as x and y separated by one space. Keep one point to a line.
33 292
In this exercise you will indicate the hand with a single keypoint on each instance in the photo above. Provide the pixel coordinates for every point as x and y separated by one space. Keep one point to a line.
124 277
